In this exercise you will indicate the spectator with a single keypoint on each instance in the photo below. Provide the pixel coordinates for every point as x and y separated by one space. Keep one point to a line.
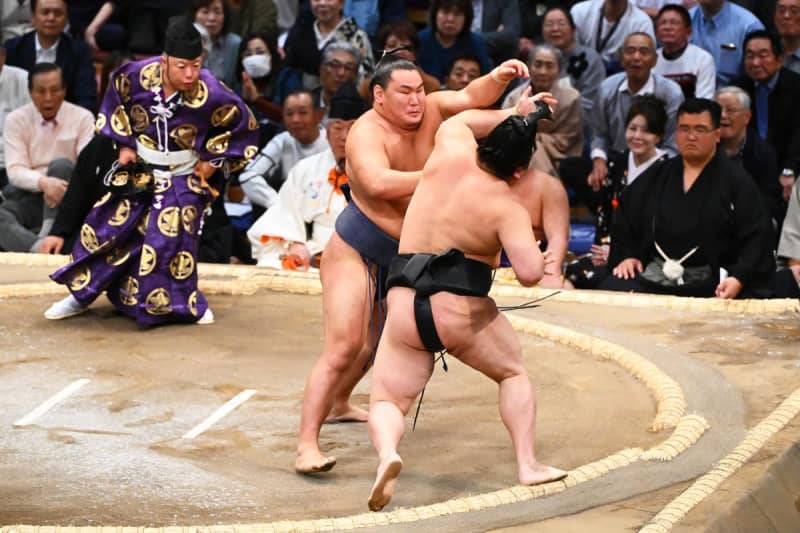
743 146
95 21
719 27
499 23
13 95
308 38
147 24
372 15
448 36
614 100
583 65
401 37
787 22
312 196
42 140
49 43
221 59
304 136
694 225
773 92
464 69
339 64
563 135
688 65
253 16
287 15
257 68
605 24
15 18
787 280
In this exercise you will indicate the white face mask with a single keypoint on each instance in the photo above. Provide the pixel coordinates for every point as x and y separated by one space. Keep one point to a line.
257 66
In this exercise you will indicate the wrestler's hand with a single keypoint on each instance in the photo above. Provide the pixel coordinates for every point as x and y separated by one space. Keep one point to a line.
51 245
53 190
509 70
598 175
126 155
628 268
728 288
527 103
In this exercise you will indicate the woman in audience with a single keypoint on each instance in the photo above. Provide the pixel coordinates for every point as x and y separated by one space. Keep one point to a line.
257 71
448 36
563 136
224 52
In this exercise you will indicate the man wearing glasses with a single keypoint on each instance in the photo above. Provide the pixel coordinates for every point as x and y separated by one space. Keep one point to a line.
340 61
694 225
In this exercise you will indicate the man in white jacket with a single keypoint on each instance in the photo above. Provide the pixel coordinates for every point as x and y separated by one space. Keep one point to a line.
296 228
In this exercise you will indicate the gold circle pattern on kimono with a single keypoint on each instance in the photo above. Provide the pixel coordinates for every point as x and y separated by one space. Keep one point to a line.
140 118
120 123
169 221
119 178
188 217
184 136
141 179
142 227
147 142
123 85
252 123
194 184
80 278
162 184
250 151
89 239
129 290
181 266
158 302
225 115
197 97
122 214
193 303
148 260
100 122
117 256
150 76
218 144
103 199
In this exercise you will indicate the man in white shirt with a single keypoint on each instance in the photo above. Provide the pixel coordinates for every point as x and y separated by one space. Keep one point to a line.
312 196
13 95
304 136
604 25
686 64
42 141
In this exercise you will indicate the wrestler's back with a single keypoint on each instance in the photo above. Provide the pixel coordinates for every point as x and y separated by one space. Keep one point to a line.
406 151
530 194
457 205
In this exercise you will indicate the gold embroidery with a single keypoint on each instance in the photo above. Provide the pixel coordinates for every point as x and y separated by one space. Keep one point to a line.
252 123
148 142
194 184
102 200
250 152
120 123
129 290
148 260
219 143
181 265
197 97
150 76
184 136
225 115
158 302
119 178
89 239
99 123
142 227
80 279
169 221
122 214
140 118
123 85
117 256
188 217
193 303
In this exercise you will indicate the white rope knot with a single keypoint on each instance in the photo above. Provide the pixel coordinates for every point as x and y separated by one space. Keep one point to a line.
673 270
162 114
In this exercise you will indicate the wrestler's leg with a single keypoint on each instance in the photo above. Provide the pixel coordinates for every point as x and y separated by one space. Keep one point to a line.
495 351
401 371
343 410
345 305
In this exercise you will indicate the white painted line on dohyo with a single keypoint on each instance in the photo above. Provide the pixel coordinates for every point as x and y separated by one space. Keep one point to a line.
68 391
217 415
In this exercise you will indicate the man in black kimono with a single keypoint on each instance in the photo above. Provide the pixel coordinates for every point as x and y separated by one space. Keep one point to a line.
694 225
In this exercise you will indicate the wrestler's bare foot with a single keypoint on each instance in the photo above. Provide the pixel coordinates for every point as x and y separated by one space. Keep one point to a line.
348 413
313 462
539 473
383 489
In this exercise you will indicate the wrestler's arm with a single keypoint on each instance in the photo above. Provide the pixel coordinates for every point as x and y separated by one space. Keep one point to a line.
555 220
483 121
481 92
516 235
369 167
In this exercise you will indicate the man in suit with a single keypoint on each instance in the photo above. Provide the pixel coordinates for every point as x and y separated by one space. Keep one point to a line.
48 43
499 23
773 91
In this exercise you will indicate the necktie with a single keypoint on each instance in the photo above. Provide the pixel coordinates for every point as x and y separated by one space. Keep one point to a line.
762 110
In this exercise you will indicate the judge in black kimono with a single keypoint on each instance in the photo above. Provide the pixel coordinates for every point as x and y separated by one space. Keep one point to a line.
694 225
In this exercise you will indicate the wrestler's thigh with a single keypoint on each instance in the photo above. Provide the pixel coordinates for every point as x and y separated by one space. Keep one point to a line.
484 340
346 296
402 368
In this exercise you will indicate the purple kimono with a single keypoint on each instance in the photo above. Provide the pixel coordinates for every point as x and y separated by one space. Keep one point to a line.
141 248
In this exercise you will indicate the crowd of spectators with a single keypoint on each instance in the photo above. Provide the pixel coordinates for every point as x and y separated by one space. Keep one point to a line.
647 90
